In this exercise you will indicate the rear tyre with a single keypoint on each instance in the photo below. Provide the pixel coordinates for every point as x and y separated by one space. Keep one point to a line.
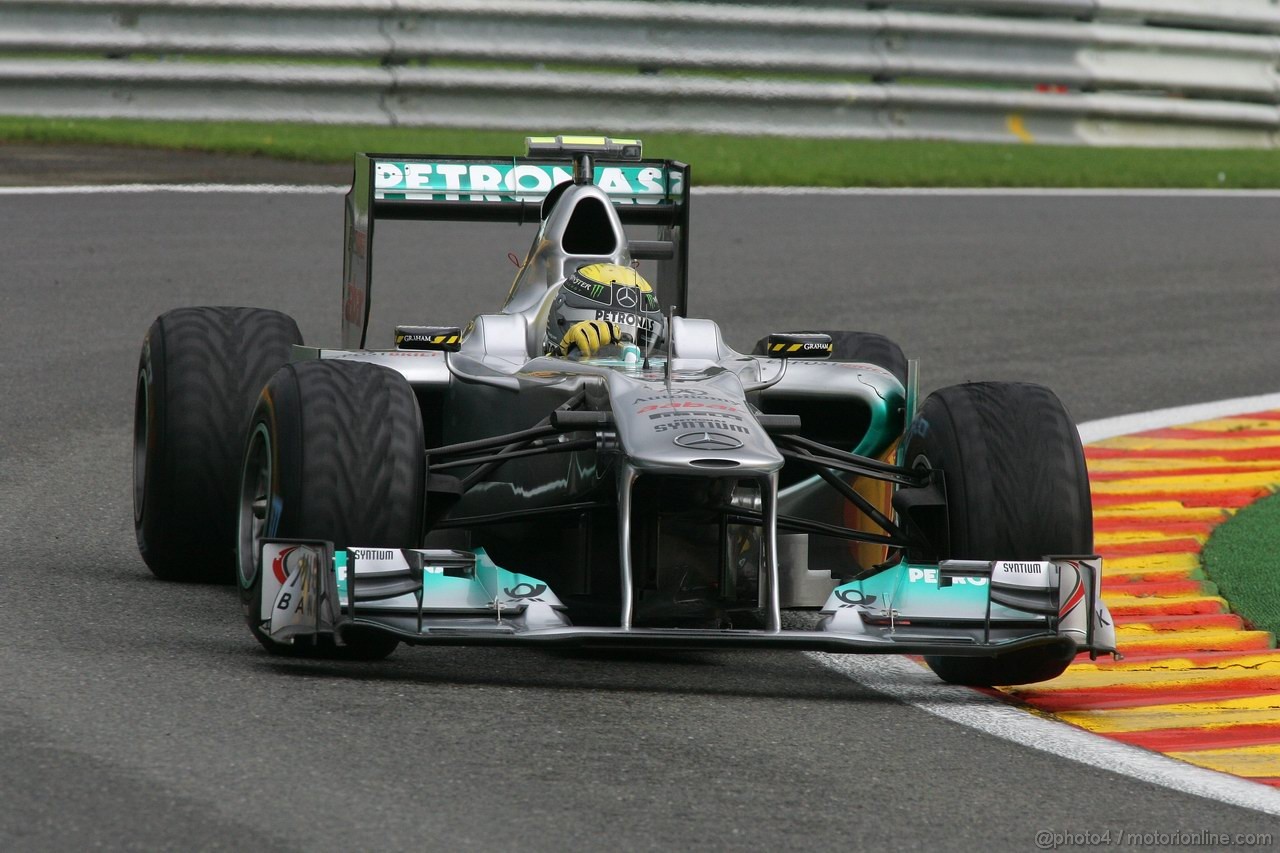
198 378
1017 489
865 347
335 451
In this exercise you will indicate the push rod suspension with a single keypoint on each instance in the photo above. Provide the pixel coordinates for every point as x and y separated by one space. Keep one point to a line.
533 449
864 506
804 525
853 463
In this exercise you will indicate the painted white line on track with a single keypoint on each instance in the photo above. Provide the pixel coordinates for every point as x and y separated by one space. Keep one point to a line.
104 189
1161 418
1064 192
961 192
908 682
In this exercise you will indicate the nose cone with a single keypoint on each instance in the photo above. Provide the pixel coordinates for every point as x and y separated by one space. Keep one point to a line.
701 426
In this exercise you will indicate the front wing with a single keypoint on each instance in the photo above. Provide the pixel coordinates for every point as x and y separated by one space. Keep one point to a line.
444 597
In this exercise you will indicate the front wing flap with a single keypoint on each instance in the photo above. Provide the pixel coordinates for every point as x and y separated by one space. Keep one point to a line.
413 591
981 599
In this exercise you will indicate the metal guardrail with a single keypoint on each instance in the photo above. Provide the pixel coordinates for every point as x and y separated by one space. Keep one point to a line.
1261 16
1106 74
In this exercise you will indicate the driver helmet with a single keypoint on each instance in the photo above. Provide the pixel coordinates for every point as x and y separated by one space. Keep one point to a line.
611 293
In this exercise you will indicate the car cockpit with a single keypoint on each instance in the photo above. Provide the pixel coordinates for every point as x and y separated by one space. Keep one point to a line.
584 192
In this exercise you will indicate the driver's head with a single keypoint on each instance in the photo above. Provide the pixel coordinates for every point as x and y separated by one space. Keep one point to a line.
603 305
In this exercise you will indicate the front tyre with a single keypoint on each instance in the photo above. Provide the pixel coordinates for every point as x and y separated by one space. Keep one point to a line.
335 452
1017 489
198 379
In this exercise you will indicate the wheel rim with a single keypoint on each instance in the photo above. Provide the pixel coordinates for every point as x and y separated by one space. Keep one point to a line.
141 438
255 504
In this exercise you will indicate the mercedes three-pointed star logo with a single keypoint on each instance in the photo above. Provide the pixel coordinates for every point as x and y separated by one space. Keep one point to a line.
707 441
628 297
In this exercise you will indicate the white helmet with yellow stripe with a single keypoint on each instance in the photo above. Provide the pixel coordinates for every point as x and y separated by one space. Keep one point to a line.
601 308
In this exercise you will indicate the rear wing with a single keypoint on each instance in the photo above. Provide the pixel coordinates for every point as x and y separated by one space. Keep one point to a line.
505 189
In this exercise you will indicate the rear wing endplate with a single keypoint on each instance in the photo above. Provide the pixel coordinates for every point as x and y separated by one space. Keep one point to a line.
502 189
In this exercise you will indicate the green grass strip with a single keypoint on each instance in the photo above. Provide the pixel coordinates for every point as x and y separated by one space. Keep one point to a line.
1243 558
716 159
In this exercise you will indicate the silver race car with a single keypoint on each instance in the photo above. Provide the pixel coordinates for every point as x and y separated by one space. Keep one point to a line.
589 467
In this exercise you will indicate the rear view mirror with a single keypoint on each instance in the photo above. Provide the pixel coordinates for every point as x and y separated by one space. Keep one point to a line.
798 345
447 338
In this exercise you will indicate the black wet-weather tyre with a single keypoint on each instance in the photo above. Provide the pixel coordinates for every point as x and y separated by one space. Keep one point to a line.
864 347
198 380
1017 489
335 452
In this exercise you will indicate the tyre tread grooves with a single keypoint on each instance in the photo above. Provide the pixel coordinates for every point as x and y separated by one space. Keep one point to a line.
215 361
1017 489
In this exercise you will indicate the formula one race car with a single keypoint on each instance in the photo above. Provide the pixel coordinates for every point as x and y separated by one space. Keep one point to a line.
588 467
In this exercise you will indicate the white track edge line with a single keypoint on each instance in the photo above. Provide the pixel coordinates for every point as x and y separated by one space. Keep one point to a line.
901 679
960 192
1160 418
911 684
1063 192
105 189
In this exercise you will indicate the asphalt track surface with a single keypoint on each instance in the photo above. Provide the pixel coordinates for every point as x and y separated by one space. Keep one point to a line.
136 714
